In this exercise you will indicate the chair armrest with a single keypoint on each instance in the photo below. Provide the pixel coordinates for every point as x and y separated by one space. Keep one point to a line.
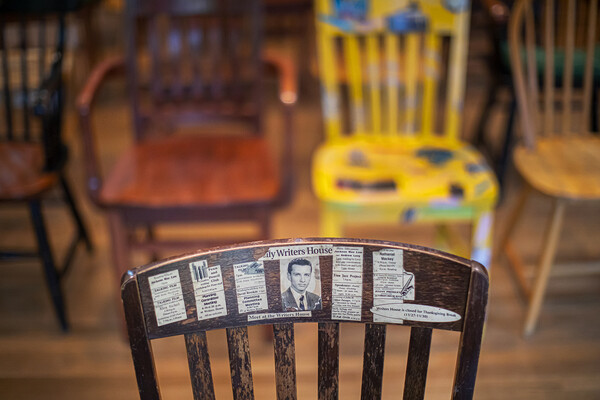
286 74
498 11
288 94
84 103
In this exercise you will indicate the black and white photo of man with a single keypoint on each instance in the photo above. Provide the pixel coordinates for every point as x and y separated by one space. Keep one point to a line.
300 277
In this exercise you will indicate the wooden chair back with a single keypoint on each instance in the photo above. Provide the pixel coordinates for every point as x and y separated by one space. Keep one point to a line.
31 54
390 67
553 33
193 61
362 281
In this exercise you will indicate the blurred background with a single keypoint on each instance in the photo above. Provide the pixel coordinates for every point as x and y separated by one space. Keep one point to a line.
92 361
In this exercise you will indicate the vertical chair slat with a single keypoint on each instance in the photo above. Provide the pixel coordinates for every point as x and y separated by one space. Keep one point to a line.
589 62
330 97
411 68
549 68
239 363
456 76
195 42
233 47
199 365
373 69
215 54
568 67
6 82
531 64
372 377
24 77
141 350
354 77
176 58
430 82
391 69
285 361
42 48
470 338
417 363
329 359
155 58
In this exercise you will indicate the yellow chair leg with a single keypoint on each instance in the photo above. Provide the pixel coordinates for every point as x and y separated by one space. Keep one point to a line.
545 265
331 222
481 242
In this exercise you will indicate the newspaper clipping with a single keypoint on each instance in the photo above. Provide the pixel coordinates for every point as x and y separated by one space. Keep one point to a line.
346 296
250 286
167 297
208 290
391 283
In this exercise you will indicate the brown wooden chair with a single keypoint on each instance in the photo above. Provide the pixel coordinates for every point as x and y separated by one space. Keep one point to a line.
362 281
558 157
32 152
193 66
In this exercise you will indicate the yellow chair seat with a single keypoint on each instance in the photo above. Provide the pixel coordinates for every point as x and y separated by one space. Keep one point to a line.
402 170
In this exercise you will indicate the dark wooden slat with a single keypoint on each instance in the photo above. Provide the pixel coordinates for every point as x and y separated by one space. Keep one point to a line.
141 351
470 338
199 365
285 361
176 57
155 46
417 363
42 47
195 41
329 358
6 83
24 77
372 378
239 363
215 55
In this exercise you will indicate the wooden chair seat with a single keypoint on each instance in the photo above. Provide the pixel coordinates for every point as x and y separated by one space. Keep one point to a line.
22 172
399 171
158 172
563 167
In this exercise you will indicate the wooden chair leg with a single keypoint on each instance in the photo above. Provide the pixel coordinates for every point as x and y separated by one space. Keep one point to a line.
120 245
81 231
545 265
481 241
331 222
514 216
52 276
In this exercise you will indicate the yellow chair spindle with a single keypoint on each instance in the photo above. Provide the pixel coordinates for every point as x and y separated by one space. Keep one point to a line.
391 64
354 75
412 65
373 68
456 76
432 58
549 69
568 68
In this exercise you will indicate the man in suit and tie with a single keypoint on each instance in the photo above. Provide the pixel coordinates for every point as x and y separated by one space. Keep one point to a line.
296 297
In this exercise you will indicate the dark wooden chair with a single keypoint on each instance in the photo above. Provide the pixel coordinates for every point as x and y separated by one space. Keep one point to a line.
362 281
193 66
32 152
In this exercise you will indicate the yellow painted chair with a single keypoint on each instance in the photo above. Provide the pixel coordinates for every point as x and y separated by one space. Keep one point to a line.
392 116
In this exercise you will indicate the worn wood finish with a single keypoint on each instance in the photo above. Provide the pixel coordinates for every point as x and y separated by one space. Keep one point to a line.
194 73
433 287
239 363
285 361
141 350
199 364
372 378
329 361
417 363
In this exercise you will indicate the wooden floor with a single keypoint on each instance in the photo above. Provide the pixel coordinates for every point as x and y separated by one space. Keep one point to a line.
561 361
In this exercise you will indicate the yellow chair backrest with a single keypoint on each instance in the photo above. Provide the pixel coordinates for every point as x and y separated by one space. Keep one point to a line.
361 41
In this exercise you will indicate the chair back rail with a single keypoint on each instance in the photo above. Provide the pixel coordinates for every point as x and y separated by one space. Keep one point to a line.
370 282
563 36
194 61
385 69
